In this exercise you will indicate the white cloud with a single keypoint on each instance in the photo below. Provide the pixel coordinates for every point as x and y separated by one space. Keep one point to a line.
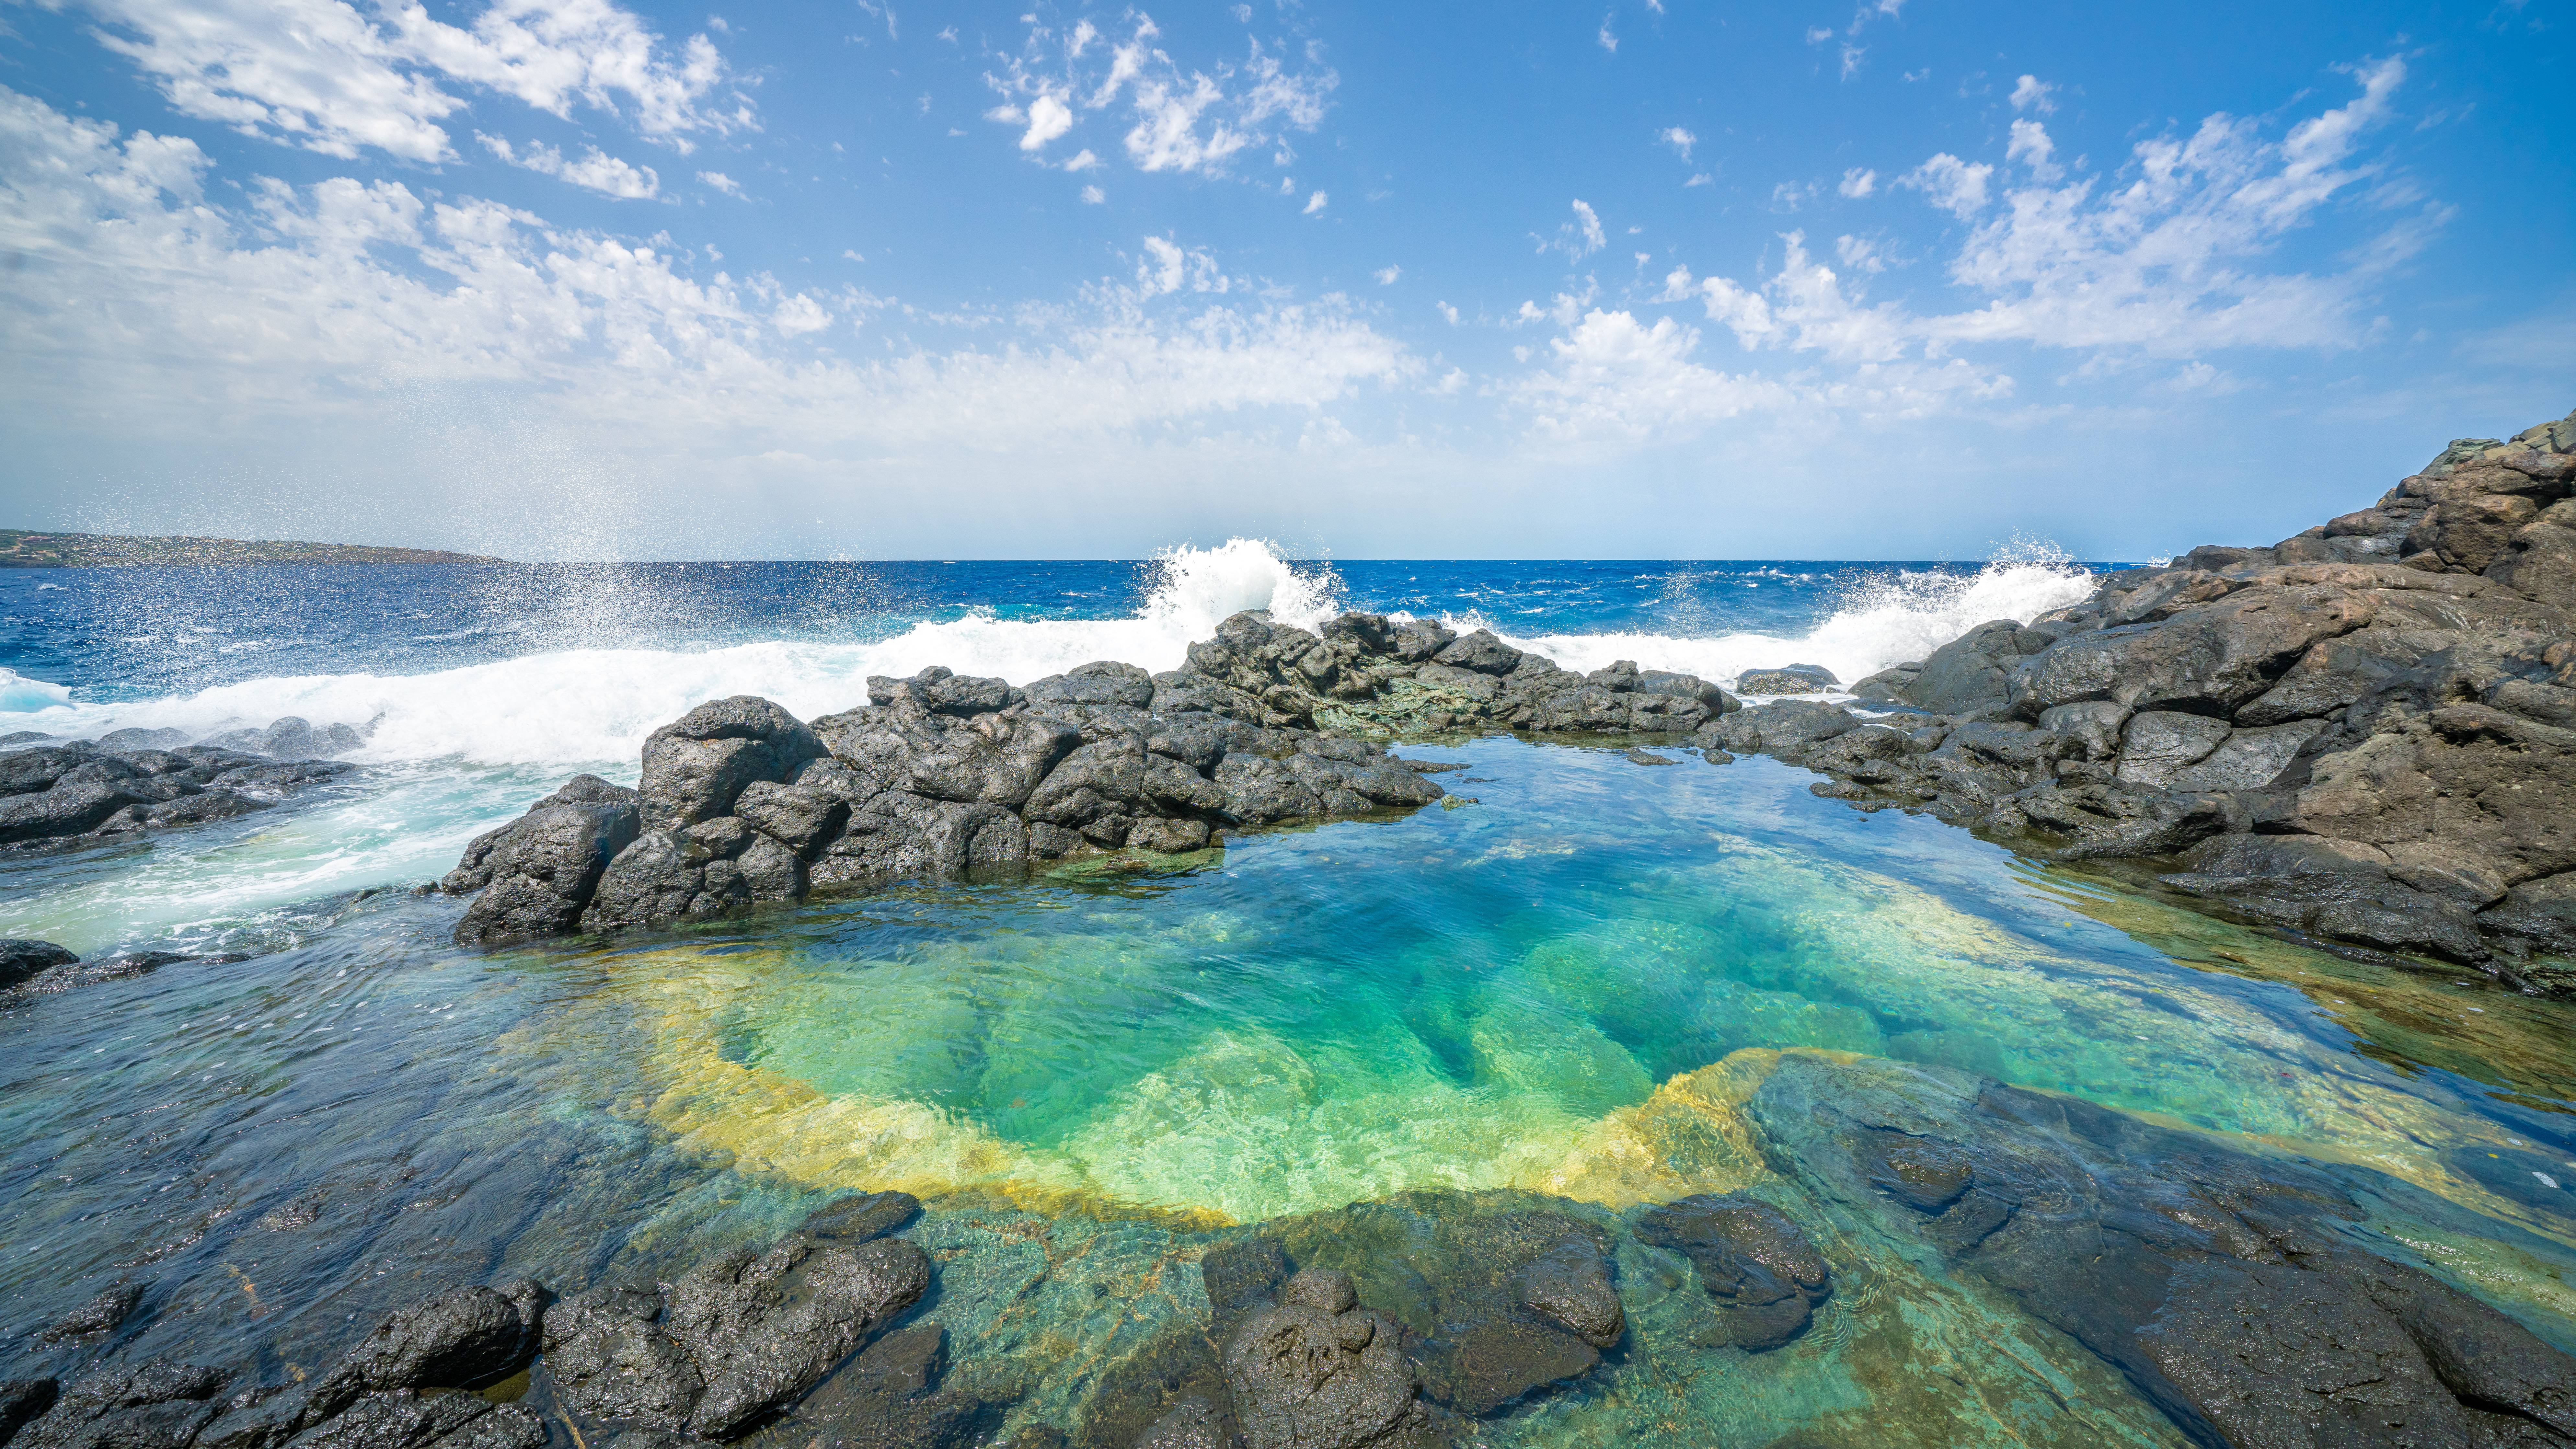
1185 119
1316 203
1083 160
596 170
1858 183
1093 196
1580 237
1387 275
799 315
2032 93
322 75
1679 139
1859 253
2031 147
1951 184
1448 312
343 303
1606 40
1048 119
853 255
1852 55
1612 376
2169 259
721 182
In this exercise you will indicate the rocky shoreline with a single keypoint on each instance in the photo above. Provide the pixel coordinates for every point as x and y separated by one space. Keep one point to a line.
60 795
2365 734
946 776
2242 1297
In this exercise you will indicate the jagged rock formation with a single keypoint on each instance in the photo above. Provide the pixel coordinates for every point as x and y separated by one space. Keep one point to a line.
79 792
946 776
2366 732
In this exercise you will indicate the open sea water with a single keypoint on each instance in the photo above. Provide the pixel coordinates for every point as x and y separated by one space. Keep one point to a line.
1542 992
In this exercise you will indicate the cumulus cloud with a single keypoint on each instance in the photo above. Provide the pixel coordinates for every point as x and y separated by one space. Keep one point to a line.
1187 119
1316 203
322 75
1679 139
2030 93
721 182
1605 39
2031 147
1957 187
2167 258
322 302
1387 275
1858 183
1612 375
596 169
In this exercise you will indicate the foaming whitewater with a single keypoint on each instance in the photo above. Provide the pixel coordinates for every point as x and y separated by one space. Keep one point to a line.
595 706
1890 620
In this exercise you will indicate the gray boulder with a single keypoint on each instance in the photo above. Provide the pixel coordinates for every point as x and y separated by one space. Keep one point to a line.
1317 1371
695 766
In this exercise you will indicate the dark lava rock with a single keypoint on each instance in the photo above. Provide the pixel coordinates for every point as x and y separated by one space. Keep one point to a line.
1569 1285
21 1401
537 874
463 1338
696 766
1242 1276
1317 1371
20 959
101 1314
888 1398
1787 679
1193 1423
1649 757
1750 1257
858 1219
2225 1287
735 1339
150 1405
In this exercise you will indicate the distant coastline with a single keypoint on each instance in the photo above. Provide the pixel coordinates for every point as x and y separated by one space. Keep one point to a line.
27 549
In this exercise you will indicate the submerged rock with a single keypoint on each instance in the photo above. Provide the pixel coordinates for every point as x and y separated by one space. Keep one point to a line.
734 1340
2233 1291
1751 1258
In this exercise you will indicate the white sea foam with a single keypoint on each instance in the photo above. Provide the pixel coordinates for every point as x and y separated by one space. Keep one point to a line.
1888 621
593 707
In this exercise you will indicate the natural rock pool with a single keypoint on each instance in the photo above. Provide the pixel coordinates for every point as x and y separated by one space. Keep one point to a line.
1388 1047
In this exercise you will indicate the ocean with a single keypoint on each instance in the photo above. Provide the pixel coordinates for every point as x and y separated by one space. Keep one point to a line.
1595 986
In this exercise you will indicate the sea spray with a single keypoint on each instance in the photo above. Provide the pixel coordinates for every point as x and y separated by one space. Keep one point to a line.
1899 616
586 706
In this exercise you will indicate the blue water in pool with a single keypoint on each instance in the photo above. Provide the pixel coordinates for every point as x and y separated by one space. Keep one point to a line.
1567 988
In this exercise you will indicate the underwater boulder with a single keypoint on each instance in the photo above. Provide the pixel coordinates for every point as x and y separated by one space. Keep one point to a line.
1757 1264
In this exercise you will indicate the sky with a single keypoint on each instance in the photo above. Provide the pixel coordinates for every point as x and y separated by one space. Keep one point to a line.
1647 279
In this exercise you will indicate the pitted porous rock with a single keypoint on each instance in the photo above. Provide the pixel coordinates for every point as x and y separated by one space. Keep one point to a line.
2366 733
1316 1371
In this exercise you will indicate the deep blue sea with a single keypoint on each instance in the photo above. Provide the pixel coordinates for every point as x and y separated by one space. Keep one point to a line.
1571 987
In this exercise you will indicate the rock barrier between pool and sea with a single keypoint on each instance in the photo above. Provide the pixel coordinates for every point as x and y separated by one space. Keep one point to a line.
946 776
2366 733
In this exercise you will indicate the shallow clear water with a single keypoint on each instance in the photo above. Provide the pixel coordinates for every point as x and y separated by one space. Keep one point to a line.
1576 986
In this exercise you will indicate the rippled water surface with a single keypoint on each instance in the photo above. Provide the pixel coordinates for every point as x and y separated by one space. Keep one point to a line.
1598 983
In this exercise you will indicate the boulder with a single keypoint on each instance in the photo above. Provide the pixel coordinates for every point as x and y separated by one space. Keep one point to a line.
1787 679
22 959
1317 1371
695 766
537 875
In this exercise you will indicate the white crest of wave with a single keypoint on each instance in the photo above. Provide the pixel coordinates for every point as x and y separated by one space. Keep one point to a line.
595 706
1900 617
21 695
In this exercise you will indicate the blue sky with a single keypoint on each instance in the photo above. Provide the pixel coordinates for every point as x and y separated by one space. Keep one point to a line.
572 278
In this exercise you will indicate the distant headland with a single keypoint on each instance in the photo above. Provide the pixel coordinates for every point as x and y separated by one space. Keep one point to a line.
25 549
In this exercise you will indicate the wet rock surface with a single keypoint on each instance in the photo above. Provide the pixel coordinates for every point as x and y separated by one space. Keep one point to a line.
1751 1258
2366 733
59 795
2244 1296
948 777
